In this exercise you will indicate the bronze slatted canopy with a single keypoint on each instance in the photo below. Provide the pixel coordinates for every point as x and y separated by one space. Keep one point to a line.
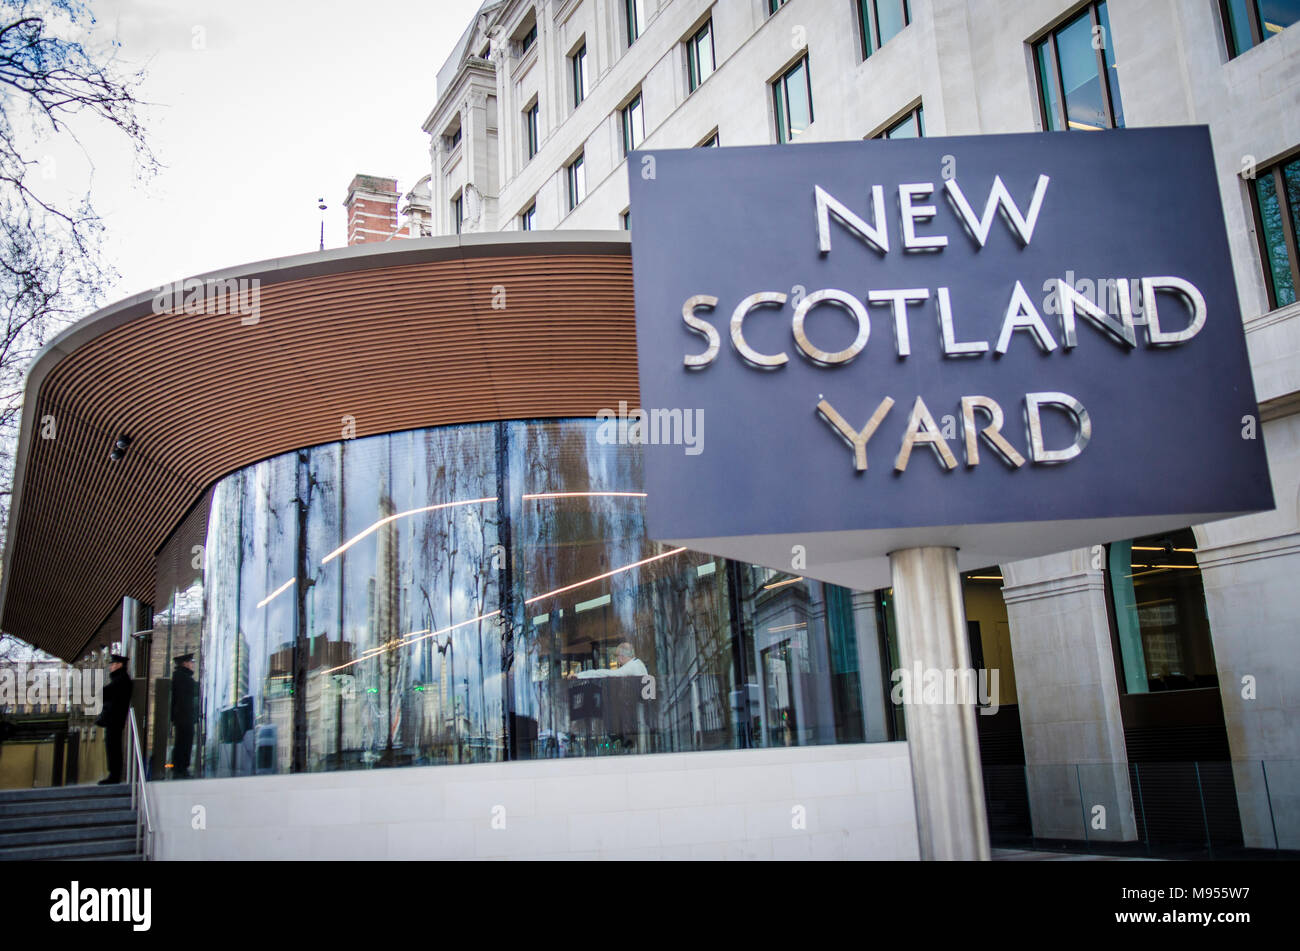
399 335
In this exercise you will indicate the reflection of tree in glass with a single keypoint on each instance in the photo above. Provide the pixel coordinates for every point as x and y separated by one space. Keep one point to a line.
322 621
1270 213
453 583
269 564
467 693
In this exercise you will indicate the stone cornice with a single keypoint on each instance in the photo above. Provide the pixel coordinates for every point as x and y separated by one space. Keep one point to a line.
1053 587
1238 553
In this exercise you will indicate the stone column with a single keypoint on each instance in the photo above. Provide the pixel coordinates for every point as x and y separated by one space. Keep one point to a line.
941 739
480 139
1249 567
438 197
1068 695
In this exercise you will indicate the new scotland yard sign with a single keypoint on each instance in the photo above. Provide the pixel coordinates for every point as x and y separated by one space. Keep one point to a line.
1010 344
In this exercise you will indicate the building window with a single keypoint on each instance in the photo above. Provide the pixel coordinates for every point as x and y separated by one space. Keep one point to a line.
635 19
910 126
880 21
531 137
1078 87
792 99
578 69
452 138
1160 621
458 211
528 220
1248 23
576 174
712 142
699 55
774 5
1276 197
625 220
526 35
633 125
890 659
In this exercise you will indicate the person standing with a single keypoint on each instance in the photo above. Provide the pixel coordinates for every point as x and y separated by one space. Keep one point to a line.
117 702
183 694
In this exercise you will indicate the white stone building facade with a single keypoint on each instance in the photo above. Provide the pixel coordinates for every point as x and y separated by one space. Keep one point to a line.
535 86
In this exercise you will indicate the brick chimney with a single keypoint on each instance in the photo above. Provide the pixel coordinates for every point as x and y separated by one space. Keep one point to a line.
372 209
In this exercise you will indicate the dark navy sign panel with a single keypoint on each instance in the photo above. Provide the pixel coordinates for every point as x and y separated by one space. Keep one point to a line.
1166 446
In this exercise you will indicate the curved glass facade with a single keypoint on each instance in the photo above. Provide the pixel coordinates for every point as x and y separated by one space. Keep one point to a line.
487 592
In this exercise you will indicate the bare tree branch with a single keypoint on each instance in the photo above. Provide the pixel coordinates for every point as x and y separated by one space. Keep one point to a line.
52 267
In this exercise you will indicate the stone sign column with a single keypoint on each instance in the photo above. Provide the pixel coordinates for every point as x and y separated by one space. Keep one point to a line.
941 737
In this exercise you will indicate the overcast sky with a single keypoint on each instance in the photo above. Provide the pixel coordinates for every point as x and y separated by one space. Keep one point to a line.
259 108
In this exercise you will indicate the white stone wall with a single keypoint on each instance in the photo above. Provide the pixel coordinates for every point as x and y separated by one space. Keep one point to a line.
856 800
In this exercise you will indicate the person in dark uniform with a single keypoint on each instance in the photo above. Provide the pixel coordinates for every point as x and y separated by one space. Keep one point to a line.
183 693
117 703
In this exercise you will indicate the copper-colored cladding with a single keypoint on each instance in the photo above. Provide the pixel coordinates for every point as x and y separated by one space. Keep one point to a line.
396 343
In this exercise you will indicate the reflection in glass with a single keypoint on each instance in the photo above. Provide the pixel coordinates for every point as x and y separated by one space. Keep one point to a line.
1240 37
911 126
1291 176
487 592
1273 231
1045 56
635 20
1069 62
633 125
1161 622
904 129
891 17
532 130
1250 22
579 65
880 21
1276 15
576 173
1079 77
1112 73
793 102
176 630
887 623
699 55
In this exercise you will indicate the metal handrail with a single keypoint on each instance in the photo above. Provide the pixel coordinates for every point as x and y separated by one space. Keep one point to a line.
135 777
